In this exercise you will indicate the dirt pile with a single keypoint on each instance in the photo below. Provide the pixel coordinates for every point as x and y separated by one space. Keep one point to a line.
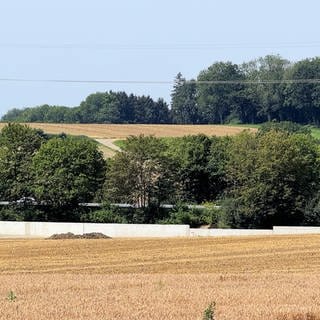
70 235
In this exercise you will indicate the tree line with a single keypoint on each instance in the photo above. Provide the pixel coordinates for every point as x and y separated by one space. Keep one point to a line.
258 179
264 89
107 107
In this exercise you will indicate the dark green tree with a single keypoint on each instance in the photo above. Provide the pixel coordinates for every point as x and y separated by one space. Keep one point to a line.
162 112
68 171
183 101
56 114
144 110
141 174
272 177
126 106
100 108
302 98
216 166
18 144
270 96
12 115
217 101
191 155
154 112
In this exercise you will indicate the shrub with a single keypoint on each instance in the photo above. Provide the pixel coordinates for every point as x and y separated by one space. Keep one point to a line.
215 216
103 216
11 296
209 313
312 211
284 126
195 217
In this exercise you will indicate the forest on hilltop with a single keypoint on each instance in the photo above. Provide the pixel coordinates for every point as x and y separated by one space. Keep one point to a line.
264 89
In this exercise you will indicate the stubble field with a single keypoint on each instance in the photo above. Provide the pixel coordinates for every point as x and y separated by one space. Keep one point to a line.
106 134
122 131
248 278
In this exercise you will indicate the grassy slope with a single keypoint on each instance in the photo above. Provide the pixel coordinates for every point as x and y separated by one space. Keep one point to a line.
315 132
120 143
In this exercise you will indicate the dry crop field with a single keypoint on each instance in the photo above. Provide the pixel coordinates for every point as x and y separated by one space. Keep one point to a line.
121 131
247 277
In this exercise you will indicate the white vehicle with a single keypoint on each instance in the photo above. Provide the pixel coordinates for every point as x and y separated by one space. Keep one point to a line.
26 200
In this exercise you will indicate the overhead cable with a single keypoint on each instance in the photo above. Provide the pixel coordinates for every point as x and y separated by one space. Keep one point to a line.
155 82
159 46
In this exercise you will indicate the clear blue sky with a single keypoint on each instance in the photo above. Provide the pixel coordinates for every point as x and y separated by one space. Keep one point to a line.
140 40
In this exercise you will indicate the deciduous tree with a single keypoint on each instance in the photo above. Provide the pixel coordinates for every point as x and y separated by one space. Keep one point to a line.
18 144
272 177
68 171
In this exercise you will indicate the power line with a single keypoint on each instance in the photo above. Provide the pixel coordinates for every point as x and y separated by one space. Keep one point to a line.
285 81
86 81
165 82
160 46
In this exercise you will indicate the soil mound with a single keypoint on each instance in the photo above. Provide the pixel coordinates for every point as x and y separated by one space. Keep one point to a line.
70 235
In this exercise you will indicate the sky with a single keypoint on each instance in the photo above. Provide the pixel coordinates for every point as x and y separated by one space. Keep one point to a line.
140 40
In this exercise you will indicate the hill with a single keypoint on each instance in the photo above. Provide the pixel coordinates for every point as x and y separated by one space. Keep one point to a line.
121 131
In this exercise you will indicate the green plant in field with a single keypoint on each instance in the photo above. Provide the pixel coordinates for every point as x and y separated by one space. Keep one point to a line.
120 143
160 285
209 313
11 296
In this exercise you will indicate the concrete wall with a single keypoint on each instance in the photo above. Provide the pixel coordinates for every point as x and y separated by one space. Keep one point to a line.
38 229
138 230
296 230
46 229
228 232
253 232
12 228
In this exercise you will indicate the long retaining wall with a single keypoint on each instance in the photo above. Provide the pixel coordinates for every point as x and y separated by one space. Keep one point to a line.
229 232
137 230
295 230
46 229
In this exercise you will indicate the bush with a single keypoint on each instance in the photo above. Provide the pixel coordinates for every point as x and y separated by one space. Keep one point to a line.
107 214
180 217
312 212
9 214
195 217
215 216
209 313
24 213
284 126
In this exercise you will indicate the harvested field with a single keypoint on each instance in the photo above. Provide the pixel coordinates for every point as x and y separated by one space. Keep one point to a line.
249 278
121 131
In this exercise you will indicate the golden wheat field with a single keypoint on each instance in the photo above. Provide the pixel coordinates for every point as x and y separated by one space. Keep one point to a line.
121 131
251 278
